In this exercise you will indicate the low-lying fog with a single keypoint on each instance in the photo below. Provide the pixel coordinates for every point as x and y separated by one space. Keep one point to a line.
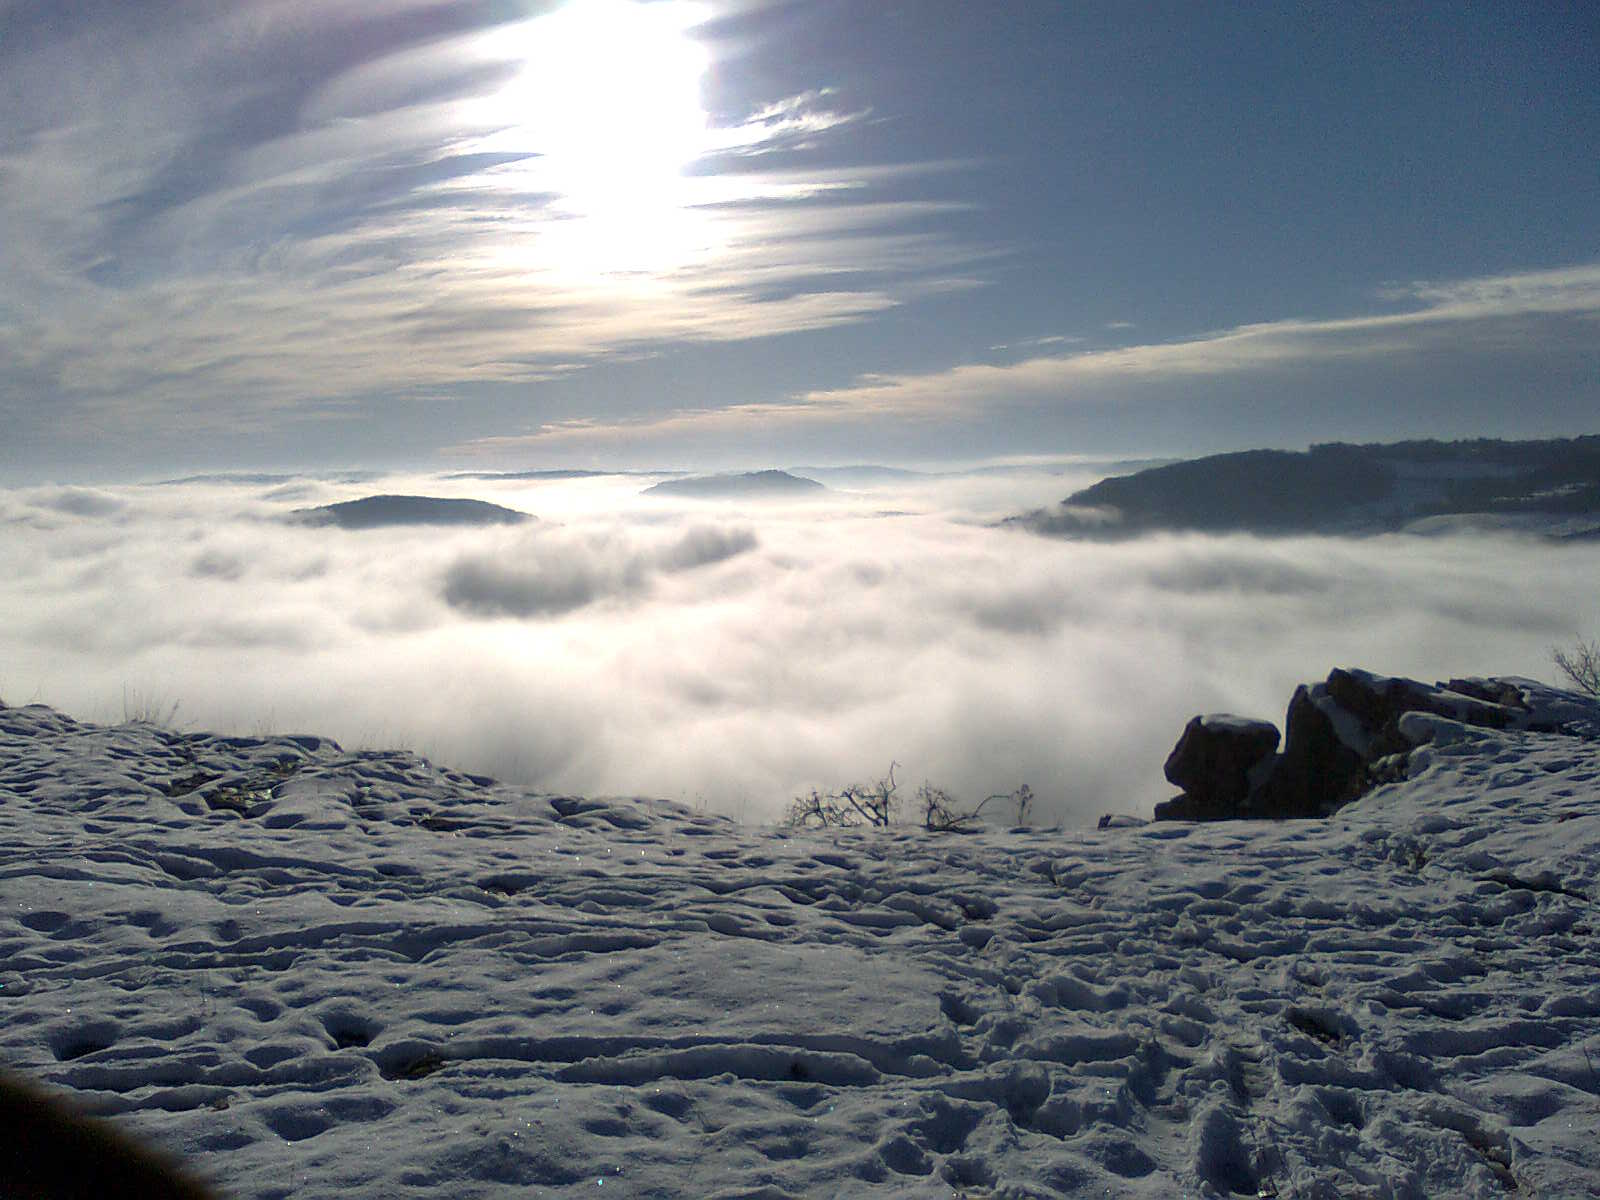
731 654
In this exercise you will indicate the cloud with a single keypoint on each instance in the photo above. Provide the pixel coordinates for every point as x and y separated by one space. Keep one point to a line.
547 574
495 589
79 502
732 657
705 545
367 213
1553 313
1035 343
216 564
1446 316
792 123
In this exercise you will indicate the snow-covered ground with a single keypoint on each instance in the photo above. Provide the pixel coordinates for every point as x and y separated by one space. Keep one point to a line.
320 973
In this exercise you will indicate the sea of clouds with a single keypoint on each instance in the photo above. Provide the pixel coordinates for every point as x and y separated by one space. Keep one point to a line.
731 654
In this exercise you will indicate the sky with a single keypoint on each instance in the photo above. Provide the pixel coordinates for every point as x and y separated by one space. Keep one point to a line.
436 234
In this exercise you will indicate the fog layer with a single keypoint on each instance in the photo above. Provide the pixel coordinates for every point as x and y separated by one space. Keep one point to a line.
730 654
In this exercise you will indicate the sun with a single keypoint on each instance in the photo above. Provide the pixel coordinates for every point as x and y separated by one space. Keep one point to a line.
611 90
608 97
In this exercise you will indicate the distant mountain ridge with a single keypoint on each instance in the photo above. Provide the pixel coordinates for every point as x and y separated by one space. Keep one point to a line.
1550 487
751 484
378 512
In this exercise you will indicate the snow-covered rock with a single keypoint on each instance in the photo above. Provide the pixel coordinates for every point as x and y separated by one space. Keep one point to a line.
1342 737
317 973
1212 763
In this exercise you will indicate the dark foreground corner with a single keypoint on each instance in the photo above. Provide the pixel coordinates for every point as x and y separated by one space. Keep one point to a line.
51 1151
1342 738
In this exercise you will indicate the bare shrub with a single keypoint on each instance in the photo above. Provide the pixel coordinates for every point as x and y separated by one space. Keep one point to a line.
939 810
859 804
145 708
1022 799
875 804
942 814
1581 666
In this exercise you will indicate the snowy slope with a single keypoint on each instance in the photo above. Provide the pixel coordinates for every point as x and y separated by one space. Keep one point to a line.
318 973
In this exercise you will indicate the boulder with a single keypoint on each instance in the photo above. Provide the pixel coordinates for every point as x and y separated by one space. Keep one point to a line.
1341 737
1120 821
1212 763
1379 701
1496 691
1323 764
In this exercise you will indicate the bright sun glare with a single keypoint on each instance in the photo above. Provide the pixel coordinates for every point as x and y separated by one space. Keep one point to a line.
609 97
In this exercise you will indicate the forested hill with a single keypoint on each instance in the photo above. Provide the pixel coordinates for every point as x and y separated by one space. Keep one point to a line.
1550 487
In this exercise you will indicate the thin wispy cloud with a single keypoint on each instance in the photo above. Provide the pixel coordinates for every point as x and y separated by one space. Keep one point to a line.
203 244
373 233
797 122
1037 343
1555 312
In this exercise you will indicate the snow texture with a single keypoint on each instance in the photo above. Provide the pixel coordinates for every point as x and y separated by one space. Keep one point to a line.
1230 723
317 973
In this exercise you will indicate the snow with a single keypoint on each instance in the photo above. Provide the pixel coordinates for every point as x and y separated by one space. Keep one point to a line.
1230 723
321 973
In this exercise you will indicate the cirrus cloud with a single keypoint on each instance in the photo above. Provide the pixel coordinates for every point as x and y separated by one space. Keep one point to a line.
1462 324
365 215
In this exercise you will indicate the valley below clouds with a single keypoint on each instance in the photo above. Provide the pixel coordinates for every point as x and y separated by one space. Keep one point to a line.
731 653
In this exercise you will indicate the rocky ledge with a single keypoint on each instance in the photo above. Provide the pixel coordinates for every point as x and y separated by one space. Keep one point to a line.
1343 737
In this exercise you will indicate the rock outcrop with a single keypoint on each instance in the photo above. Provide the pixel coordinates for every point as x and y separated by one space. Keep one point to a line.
1213 762
1341 738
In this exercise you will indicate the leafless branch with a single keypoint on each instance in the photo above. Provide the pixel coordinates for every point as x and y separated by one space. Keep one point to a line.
1581 666
858 804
